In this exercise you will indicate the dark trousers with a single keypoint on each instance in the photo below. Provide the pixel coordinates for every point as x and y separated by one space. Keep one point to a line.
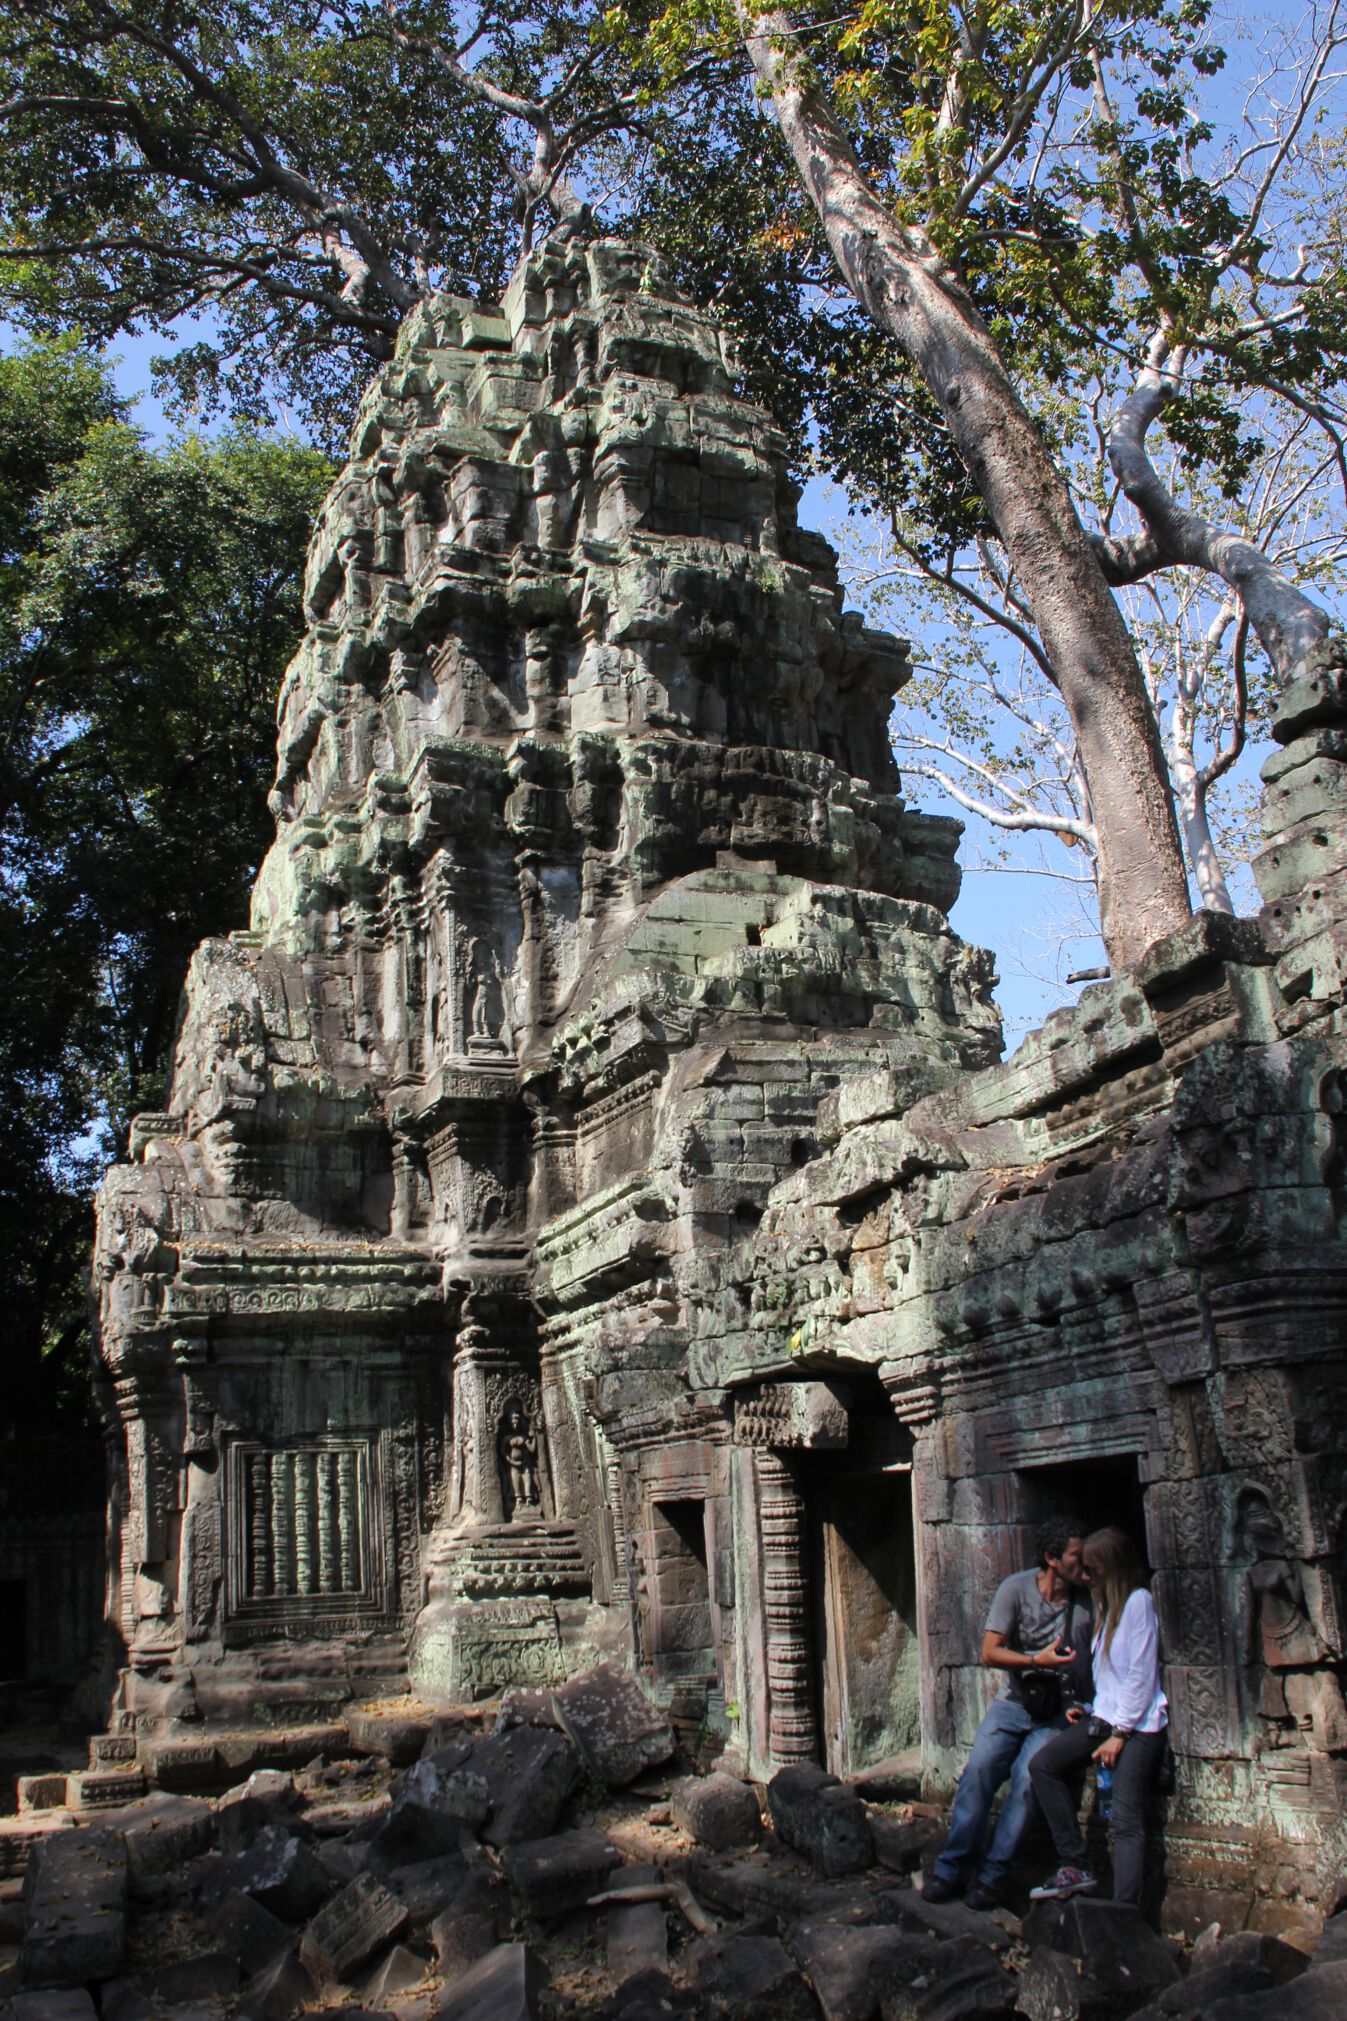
1052 1771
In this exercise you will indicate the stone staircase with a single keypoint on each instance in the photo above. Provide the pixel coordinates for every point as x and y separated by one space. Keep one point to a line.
511 1558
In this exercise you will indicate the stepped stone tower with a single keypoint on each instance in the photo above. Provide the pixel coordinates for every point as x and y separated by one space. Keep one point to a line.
591 888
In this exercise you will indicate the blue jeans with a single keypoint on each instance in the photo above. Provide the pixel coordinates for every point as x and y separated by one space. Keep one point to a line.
1006 1743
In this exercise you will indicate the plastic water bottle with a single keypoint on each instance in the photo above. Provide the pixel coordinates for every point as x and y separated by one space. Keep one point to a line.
1103 1786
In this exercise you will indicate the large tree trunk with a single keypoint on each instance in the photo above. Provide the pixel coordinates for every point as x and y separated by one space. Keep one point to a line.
900 280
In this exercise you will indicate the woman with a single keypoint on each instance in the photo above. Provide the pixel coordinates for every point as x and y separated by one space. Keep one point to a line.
1124 1729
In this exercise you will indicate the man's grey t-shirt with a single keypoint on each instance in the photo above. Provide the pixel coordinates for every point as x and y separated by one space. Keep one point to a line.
1030 1623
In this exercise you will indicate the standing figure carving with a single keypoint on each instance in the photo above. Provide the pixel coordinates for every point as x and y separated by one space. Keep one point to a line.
486 996
517 1447
1297 1682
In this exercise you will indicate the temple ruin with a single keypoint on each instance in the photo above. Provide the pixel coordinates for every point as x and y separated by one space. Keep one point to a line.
590 1219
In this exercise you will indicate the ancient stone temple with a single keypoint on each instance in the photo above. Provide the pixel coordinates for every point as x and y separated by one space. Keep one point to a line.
591 887
590 1219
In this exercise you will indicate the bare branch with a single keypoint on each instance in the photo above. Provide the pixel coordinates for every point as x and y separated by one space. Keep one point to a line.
1289 627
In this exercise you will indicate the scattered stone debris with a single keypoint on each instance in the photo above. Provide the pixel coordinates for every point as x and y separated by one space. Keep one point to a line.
511 1885
823 1819
716 1810
615 1728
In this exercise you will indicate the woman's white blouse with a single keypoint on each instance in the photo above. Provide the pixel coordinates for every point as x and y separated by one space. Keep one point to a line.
1127 1677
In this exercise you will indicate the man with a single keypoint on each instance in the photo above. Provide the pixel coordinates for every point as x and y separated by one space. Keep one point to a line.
1039 1622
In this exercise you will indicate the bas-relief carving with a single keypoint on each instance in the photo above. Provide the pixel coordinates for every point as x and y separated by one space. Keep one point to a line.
1299 1690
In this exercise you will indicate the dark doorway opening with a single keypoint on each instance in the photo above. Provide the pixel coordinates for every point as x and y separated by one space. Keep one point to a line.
13 1630
1099 1491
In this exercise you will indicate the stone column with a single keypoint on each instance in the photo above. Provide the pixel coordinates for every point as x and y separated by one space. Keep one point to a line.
476 1470
791 1730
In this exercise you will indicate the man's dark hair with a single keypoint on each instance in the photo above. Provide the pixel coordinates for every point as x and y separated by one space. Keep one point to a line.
1054 1536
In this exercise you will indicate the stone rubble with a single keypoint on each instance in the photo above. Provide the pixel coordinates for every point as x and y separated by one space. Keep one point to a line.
587 1919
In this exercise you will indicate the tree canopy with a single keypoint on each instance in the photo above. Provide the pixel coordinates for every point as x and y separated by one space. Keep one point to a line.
149 601
980 258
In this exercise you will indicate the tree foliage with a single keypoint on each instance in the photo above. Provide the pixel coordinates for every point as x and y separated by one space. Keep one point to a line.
282 179
148 603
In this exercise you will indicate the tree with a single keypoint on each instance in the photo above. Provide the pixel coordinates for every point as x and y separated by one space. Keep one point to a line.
998 189
287 176
148 604
982 722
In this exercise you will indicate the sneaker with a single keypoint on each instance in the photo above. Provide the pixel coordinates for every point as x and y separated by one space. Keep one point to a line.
980 1896
1066 1881
936 1889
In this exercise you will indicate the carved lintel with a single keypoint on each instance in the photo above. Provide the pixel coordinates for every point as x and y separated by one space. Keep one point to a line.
807 1416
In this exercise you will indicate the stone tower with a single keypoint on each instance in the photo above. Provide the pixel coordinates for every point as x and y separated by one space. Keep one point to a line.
591 893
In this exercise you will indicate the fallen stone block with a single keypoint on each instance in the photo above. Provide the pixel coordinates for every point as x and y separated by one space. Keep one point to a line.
1255 1952
852 1969
342 1859
505 1985
1121 1957
1318 1995
529 1774
279 1990
522 1706
949 1920
820 1817
551 1876
71 2005
756 1887
281 1873
747 1979
250 1932
898 1845
351 1929
1050 1987
637 1932
716 1810
124 2000
616 1729
460 1939
41 1792
1221 1967
1331 1946
75 1895
432 1886
435 1802
650 1996
165 1833
268 1797
958 1988
214 1975
397 1735
897 1780
400 1971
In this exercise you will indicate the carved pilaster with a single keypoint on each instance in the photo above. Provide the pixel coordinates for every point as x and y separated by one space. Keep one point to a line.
790 1696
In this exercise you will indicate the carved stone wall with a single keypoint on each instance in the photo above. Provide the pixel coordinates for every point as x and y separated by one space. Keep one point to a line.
588 1217
591 882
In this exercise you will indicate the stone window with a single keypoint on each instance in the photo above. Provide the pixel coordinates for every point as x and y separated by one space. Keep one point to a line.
304 1549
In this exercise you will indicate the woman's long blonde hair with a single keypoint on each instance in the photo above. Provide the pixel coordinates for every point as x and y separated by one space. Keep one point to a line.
1119 1575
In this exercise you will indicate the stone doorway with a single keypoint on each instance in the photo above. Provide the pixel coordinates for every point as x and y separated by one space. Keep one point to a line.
863 1583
